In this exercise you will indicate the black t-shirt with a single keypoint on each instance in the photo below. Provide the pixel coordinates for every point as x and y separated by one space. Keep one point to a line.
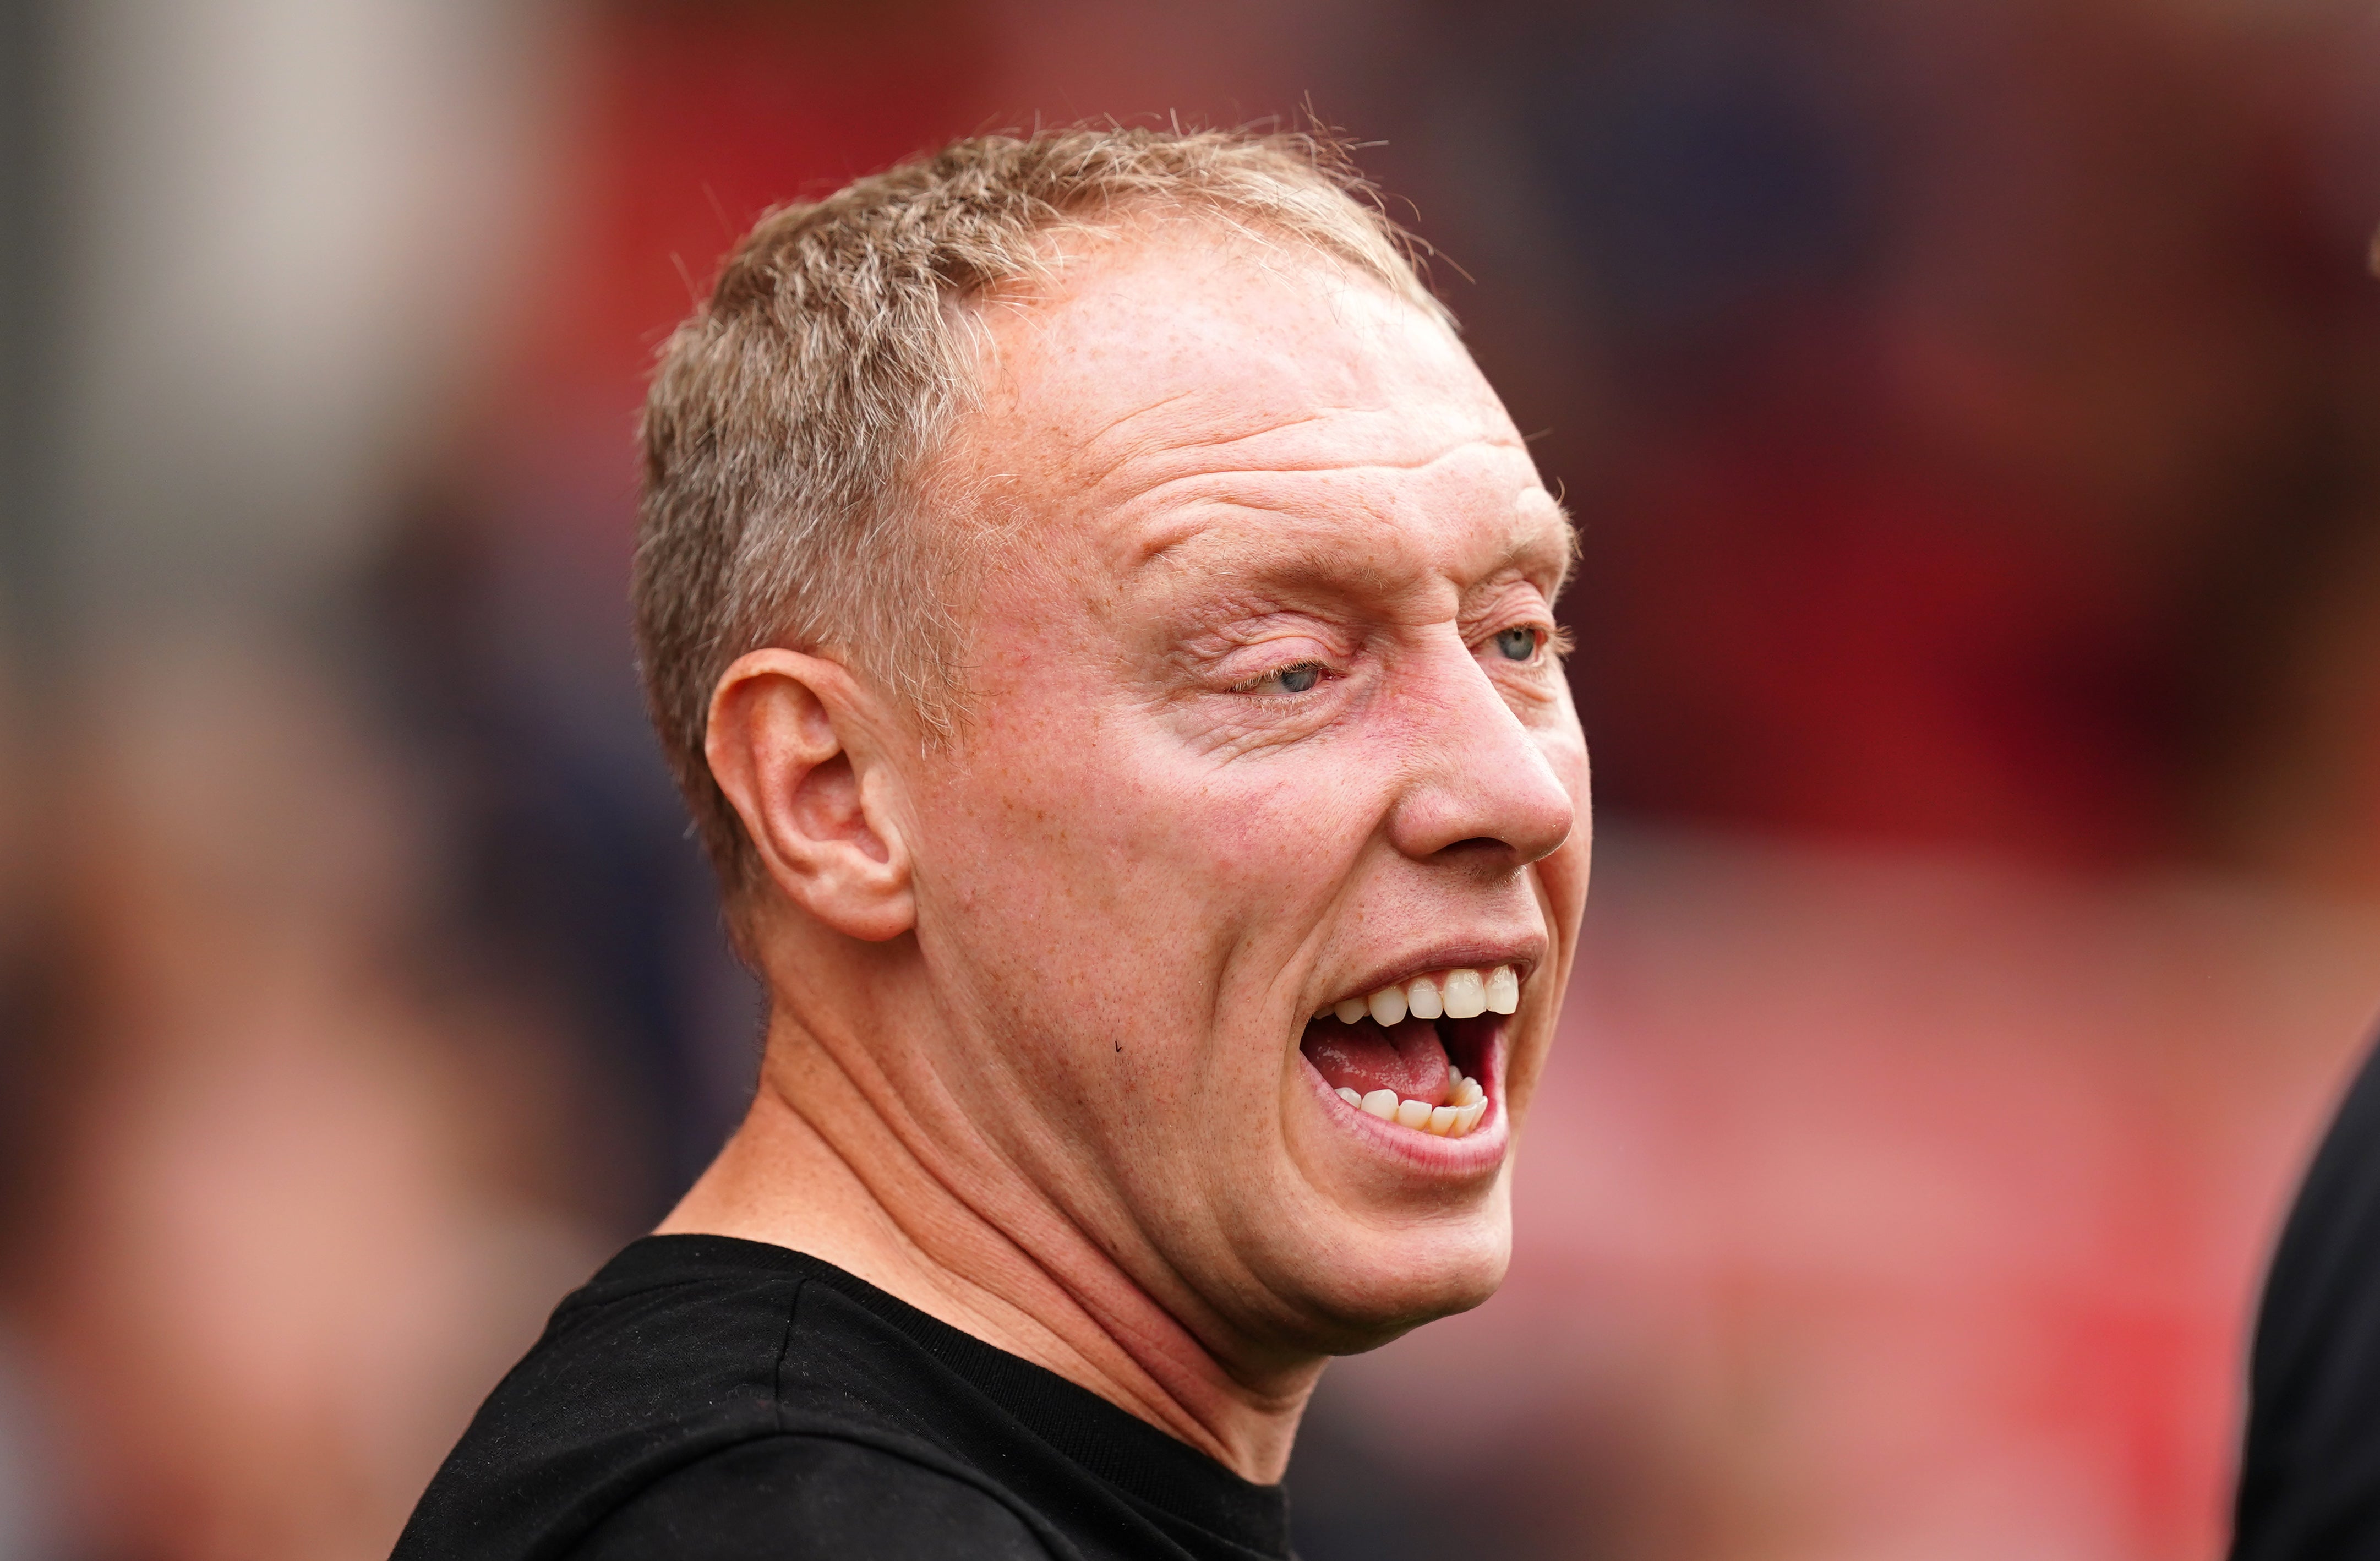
705 1397
2309 1472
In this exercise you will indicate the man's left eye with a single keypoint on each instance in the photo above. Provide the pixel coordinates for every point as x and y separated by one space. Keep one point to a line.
1518 645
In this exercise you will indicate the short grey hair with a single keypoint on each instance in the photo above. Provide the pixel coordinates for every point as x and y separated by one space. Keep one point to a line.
792 417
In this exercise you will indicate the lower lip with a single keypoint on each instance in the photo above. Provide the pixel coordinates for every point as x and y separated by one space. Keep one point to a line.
1479 1150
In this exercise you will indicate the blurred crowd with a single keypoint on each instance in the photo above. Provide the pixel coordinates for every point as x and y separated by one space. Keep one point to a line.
1972 409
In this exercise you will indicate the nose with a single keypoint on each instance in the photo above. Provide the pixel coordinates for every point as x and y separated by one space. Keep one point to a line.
1479 783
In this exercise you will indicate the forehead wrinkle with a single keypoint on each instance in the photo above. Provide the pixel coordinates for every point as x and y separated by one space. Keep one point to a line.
1220 438
1160 447
1135 414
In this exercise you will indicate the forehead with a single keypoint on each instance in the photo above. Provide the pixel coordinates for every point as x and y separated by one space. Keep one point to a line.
1190 385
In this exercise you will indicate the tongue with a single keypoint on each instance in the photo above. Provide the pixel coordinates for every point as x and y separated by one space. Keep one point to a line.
1363 1056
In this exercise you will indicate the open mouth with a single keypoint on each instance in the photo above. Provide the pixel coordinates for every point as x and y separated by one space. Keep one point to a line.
1416 1053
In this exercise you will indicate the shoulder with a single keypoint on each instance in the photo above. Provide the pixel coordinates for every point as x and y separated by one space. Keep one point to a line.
668 1343
794 1496
676 1351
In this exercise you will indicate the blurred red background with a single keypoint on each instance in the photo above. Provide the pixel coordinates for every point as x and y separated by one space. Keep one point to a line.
1971 409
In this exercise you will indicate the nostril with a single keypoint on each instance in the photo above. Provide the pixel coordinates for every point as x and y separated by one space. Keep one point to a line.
1475 845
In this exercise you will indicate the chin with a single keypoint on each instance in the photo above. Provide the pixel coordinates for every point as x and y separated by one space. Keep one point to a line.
1378 1285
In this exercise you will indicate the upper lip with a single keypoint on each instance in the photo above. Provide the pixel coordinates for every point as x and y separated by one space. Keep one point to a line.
1522 955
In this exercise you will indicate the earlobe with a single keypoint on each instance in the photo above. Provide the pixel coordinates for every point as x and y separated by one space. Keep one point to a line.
790 745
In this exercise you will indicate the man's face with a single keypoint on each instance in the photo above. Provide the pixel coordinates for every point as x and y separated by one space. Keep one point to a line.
1265 719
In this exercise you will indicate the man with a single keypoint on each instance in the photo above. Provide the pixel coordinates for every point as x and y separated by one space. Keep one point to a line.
1103 625
2309 1486
2310 1467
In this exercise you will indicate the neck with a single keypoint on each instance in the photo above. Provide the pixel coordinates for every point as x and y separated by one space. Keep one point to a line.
831 1161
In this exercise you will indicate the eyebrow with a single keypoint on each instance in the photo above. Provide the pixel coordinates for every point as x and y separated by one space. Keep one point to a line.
1298 557
1571 544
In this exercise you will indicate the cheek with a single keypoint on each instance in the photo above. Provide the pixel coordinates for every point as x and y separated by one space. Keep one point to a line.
1565 874
1114 901
1113 815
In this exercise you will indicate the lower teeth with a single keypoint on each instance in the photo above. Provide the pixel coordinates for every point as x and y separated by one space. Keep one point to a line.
1454 1119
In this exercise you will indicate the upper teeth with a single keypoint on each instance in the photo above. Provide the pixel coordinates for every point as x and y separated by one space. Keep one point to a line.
1457 994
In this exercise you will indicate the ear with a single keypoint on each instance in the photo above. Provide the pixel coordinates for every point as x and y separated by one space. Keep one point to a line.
790 743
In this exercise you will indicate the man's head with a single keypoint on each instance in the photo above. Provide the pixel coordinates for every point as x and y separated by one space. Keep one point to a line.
796 419
1103 622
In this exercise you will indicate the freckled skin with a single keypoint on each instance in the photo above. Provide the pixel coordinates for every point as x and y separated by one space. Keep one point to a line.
1242 739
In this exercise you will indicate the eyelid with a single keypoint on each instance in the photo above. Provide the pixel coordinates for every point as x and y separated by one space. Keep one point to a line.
1510 601
1248 684
1267 650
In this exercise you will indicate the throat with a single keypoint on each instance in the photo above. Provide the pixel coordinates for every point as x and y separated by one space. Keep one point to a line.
1037 1289
1408 1057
